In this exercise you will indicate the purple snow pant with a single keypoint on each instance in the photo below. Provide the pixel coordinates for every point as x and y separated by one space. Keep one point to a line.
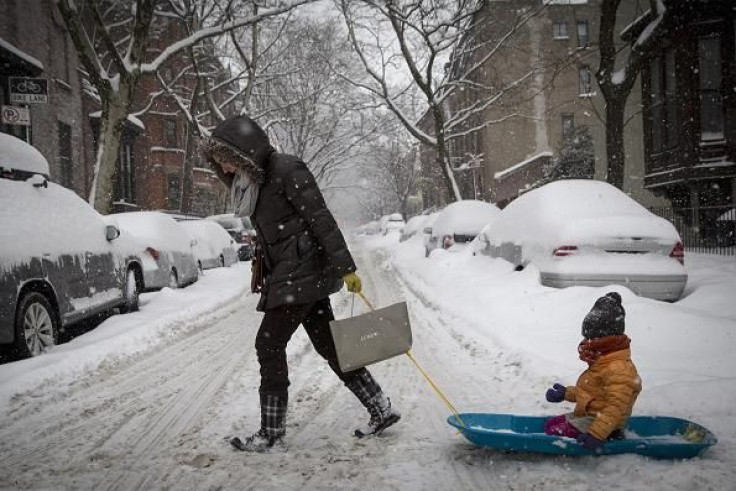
559 425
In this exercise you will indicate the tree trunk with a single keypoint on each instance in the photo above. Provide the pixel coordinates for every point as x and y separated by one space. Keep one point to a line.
453 191
108 149
615 151
187 183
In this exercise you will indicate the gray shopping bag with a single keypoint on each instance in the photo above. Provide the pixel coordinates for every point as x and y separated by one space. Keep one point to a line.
369 338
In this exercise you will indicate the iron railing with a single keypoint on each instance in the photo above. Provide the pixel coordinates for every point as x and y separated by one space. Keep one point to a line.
706 229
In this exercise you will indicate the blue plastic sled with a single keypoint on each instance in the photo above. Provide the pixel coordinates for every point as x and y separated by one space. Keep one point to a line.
653 436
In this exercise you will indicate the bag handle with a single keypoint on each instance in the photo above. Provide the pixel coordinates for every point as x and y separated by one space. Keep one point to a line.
408 353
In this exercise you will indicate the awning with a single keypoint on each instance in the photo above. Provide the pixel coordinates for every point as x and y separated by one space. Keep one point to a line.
15 61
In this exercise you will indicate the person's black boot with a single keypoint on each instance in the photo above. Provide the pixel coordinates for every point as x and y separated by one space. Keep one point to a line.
273 427
382 413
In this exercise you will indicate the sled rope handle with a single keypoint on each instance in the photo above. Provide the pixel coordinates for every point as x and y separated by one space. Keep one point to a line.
421 370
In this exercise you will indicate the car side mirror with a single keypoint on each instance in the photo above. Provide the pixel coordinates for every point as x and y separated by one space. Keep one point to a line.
428 230
111 232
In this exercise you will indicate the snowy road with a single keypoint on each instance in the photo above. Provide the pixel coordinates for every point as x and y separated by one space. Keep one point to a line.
159 422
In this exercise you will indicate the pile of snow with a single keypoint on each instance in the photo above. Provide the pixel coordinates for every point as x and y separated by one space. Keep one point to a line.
467 217
17 154
683 350
163 317
154 229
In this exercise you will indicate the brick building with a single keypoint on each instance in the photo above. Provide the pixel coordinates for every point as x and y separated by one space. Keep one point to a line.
152 161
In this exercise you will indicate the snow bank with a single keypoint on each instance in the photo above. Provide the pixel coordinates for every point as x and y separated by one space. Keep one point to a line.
164 316
683 351
17 154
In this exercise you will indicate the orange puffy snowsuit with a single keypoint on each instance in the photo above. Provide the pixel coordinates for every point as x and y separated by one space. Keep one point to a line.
607 391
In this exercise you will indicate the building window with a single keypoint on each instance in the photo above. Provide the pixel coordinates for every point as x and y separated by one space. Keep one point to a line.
711 96
126 174
174 192
568 126
170 133
66 165
664 104
559 30
584 86
583 35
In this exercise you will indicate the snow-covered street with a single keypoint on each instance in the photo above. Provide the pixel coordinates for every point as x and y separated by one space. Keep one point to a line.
152 412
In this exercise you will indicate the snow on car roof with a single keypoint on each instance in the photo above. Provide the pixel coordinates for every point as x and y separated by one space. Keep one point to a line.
576 211
155 230
466 217
211 237
52 221
395 217
19 155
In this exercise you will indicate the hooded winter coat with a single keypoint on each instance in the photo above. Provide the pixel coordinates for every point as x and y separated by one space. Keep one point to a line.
607 391
305 253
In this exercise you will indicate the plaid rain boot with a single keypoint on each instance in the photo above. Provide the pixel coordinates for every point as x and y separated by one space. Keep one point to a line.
273 427
379 406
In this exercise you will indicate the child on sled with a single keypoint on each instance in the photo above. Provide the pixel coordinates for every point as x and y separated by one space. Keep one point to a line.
605 393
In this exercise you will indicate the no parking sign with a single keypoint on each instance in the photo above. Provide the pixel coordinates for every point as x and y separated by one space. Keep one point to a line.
16 115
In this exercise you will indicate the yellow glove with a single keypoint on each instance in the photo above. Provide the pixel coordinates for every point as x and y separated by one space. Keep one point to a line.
353 283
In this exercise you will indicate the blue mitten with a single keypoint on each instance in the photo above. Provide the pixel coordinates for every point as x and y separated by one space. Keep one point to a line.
556 393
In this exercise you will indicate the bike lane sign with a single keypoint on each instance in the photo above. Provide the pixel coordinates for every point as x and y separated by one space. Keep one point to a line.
25 90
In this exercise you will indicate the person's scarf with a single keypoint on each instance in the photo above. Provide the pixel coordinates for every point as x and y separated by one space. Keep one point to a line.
592 349
244 194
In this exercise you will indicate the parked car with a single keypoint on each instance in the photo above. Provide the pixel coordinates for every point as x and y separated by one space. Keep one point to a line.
60 261
214 247
413 226
588 233
169 258
241 230
459 223
370 228
394 223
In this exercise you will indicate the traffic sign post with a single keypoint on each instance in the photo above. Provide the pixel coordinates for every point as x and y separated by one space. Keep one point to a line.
25 90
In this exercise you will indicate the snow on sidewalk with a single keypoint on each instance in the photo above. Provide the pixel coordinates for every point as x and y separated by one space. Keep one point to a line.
164 316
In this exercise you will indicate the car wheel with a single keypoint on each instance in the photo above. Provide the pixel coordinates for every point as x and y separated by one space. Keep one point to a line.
36 326
130 292
222 262
173 280
519 267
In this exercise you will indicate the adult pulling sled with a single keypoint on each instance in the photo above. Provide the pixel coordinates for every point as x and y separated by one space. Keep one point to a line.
651 436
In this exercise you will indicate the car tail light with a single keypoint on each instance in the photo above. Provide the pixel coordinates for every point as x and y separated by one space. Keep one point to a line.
678 252
564 251
447 241
153 252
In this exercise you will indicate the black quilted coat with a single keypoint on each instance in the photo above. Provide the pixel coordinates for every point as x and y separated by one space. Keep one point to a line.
306 255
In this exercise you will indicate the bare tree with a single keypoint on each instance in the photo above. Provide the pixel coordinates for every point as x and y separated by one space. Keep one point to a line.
430 50
617 73
111 37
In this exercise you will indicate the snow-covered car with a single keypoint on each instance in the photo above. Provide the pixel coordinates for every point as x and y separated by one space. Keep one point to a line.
588 233
214 247
168 259
370 228
427 232
413 226
60 261
459 223
241 230
394 223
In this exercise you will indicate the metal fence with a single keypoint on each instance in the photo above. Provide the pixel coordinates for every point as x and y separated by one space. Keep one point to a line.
707 229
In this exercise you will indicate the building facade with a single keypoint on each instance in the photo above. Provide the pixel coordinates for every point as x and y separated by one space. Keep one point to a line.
546 69
689 99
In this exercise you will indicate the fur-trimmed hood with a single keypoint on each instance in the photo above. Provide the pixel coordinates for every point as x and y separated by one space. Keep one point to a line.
241 142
